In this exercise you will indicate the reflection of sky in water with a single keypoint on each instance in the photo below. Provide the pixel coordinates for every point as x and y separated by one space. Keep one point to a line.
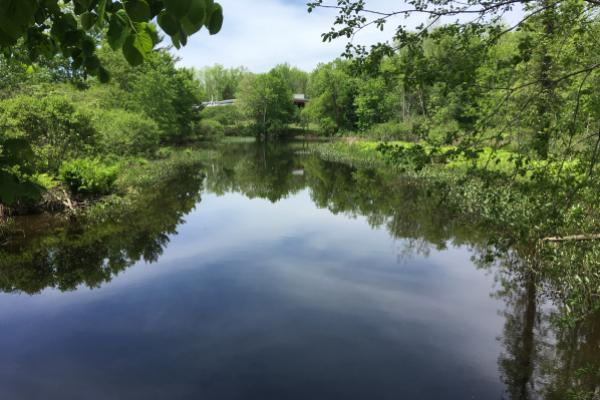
255 300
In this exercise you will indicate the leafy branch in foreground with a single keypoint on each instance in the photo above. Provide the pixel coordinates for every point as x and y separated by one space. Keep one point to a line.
72 27
354 15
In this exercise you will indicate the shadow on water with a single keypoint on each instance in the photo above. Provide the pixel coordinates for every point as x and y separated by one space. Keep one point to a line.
54 253
544 354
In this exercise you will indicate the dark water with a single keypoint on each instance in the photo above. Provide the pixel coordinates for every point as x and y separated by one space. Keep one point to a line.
280 276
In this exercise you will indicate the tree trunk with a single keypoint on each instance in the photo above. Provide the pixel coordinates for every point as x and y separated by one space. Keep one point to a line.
582 237
544 104
265 122
335 107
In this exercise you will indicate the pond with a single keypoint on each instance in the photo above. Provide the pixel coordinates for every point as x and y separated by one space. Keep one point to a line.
271 274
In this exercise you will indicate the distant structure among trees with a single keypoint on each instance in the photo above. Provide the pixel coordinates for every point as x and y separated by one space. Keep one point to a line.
299 99
220 103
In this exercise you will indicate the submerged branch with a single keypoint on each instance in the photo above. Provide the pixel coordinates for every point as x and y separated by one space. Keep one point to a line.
557 239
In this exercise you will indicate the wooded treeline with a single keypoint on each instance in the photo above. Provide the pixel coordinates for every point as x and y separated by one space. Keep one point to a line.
529 94
534 90
62 129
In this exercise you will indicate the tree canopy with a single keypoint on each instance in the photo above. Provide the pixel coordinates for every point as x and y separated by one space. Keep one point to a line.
71 28
266 99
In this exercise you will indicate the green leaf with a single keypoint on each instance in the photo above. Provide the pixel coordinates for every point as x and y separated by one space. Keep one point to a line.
216 20
88 19
183 38
101 10
118 29
156 6
138 10
92 64
190 28
175 40
88 46
168 23
103 75
138 45
81 6
178 8
16 16
197 12
63 25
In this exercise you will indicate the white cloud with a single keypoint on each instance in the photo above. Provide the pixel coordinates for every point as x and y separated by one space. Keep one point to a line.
262 33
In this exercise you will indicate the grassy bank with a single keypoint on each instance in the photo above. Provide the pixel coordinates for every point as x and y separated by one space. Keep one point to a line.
135 179
407 156
533 199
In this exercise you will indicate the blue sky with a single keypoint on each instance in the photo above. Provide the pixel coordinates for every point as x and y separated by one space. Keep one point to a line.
262 33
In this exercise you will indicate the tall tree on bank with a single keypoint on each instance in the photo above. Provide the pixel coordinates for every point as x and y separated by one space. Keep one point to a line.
220 83
266 99
332 90
296 79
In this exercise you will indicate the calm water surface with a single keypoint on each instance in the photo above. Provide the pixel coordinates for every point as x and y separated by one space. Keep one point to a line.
276 282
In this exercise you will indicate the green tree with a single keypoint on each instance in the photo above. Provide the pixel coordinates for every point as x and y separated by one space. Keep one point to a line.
157 88
266 99
332 90
296 79
370 102
554 63
220 83
52 124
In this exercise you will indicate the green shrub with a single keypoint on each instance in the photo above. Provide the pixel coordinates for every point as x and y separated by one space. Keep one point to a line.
226 116
87 176
53 126
232 121
413 157
126 133
327 126
444 133
210 128
401 130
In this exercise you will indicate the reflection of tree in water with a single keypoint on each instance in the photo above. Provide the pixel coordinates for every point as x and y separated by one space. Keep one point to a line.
91 253
524 333
264 170
543 358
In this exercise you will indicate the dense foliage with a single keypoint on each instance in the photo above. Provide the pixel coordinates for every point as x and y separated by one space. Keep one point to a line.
70 28
58 131
220 83
266 100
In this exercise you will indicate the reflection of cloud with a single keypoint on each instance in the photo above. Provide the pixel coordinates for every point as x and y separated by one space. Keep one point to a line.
248 280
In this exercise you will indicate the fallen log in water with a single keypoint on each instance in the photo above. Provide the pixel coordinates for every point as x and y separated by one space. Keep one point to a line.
555 239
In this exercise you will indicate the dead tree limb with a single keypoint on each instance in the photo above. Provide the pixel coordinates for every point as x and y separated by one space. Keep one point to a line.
556 239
